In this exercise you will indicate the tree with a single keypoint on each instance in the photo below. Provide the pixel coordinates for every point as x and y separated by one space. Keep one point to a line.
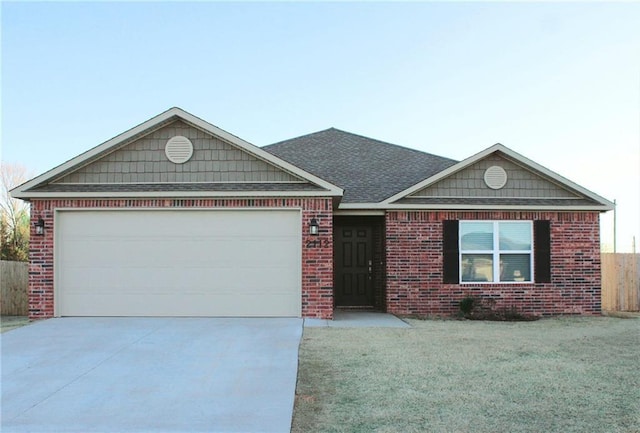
14 215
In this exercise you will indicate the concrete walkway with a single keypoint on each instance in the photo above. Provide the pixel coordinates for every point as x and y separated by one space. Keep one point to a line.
358 319
150 375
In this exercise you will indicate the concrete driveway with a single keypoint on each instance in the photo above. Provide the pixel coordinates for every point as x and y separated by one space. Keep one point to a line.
150 375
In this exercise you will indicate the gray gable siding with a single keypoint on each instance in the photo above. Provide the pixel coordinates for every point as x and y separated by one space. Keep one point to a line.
521 183
144 161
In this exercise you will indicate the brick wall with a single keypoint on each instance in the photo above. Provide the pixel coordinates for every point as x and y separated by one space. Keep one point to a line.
414 266
317 251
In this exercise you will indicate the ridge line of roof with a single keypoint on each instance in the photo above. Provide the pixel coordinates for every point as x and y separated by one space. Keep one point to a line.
360 136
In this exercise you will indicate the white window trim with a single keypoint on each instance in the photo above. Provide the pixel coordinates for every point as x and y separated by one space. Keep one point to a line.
496 252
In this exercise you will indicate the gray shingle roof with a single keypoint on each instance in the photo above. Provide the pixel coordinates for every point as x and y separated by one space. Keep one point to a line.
368 170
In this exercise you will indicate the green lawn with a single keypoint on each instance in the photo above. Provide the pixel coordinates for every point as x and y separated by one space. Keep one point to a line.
553 375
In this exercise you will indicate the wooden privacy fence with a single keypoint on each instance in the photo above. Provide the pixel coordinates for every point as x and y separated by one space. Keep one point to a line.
620 282
14 278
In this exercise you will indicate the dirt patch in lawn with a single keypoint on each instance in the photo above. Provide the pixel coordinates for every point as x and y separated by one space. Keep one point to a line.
554 375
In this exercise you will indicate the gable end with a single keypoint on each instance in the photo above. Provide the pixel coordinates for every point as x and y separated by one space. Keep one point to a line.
497 178
520 183
144 161
135 164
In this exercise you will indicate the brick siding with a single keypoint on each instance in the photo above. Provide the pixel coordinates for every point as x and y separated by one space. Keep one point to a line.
413 258
317 251
414 266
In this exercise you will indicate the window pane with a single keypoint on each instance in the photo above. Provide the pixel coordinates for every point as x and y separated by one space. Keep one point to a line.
476 236
477 267
515 236
515 267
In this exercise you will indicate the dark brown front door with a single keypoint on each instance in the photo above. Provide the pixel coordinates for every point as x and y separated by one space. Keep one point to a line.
353 284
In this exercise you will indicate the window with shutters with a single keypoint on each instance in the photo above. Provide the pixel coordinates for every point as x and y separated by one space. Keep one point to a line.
495 251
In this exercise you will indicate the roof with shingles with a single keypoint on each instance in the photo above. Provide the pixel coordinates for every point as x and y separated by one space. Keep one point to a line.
368 170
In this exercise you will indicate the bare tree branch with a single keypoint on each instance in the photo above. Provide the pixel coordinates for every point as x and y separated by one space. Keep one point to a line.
14 213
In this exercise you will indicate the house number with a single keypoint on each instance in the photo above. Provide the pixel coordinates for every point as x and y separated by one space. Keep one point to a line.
318 243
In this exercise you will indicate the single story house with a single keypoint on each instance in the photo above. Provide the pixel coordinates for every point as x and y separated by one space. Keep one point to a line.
176 217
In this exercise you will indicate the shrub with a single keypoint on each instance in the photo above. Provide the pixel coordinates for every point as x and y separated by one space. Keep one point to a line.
476 308
467 304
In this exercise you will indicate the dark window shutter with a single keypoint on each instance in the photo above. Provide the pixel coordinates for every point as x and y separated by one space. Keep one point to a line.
542 251
450 256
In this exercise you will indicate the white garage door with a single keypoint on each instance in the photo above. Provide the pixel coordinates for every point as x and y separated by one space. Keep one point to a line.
178 263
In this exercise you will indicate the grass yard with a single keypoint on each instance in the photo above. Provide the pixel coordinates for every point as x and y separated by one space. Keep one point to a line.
554 375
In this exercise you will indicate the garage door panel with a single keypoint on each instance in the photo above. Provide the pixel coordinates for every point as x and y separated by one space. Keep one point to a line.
189 274
227 305
139 251
179 263
189 280
273 222
209 251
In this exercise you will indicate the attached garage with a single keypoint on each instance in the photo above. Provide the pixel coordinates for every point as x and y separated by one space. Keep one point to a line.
177 217
239 262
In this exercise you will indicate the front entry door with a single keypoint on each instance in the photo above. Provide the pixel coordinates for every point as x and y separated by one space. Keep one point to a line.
353 284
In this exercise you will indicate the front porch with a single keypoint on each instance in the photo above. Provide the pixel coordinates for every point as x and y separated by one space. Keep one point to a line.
358 319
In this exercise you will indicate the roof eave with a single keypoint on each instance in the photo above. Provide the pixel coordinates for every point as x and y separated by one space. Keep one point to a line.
435 206
172 194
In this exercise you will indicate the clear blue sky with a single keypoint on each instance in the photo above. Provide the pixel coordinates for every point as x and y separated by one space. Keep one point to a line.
556 82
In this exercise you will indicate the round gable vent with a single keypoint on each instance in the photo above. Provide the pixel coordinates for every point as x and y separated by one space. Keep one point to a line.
495 177
178 149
